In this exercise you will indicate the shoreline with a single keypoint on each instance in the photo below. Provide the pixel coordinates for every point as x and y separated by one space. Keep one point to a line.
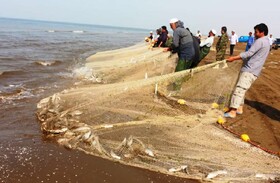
129 60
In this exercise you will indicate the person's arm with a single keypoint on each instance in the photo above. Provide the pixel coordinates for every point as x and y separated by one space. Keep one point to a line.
204 42
231 59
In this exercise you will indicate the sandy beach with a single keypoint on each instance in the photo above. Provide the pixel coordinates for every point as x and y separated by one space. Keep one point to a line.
135 110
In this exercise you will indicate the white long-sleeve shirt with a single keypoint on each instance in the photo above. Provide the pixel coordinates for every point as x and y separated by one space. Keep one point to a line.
208 42
233 39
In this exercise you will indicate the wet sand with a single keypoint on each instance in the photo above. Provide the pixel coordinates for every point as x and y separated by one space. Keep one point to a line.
27 156
46 162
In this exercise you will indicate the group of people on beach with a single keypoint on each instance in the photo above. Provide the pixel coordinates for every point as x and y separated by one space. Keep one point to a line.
191 52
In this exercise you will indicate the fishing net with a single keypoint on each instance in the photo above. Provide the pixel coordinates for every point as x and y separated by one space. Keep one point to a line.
135 109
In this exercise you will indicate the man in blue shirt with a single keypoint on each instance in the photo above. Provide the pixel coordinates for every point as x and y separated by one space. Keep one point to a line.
250 41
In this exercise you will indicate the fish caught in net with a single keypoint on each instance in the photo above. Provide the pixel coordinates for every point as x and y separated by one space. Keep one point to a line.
138 111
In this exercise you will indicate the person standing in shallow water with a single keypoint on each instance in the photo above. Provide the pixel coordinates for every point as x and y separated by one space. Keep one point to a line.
253 61
221 45
182 44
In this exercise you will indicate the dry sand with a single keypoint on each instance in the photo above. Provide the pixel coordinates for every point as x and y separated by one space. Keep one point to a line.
119 102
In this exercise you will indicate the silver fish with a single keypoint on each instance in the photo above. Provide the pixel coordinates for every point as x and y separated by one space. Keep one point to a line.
216 173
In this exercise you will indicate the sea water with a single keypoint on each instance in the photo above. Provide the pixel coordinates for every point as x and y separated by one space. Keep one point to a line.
37 59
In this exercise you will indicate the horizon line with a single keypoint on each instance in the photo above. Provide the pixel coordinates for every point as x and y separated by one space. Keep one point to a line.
62 22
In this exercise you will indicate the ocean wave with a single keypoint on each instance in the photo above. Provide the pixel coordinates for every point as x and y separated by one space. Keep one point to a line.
78 31
10 73
73 31
15 94
47 63
82 73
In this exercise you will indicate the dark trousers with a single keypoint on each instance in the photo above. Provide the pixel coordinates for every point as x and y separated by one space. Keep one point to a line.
231 49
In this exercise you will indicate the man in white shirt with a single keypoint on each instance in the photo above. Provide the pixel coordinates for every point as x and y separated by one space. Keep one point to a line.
233 40
206 44
271 40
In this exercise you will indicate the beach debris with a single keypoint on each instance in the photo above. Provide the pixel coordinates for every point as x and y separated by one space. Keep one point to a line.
183 168
212 175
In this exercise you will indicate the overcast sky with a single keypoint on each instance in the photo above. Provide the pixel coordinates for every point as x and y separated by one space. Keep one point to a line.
238 15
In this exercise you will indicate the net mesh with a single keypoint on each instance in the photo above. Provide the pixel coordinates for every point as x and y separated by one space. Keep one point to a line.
130 110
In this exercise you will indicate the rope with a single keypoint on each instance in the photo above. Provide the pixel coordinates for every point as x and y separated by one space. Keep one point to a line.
252 143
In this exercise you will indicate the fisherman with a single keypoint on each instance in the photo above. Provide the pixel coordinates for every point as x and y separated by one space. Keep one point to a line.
233 41
163 37
250 41
182 44
151 35
253 61
221 45
206 44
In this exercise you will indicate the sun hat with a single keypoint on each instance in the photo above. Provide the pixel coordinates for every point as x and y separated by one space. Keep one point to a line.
214 31
151 31
173 20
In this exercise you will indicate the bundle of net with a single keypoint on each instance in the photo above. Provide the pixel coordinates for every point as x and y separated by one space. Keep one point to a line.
140 111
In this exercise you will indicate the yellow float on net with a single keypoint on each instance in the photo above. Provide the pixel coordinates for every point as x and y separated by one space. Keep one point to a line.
245 137
215 105
182 102
226 109
221 120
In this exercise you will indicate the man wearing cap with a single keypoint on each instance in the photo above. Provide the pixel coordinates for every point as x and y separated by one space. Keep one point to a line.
151 35
205 45
182 44
221 45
